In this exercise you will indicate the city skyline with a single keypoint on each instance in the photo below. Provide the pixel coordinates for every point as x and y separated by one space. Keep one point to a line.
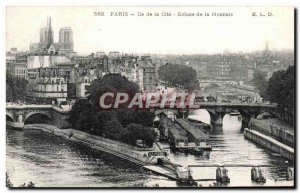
132 35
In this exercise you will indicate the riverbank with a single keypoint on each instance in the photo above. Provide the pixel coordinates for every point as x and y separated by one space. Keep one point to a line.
270 143
275 128
137 155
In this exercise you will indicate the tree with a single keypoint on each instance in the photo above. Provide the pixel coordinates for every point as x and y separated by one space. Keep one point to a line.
100 119
111 83
121 124
136 132
281 88
179 75
131 133
16 88
82 115
260 82
144 117
138 116
113 129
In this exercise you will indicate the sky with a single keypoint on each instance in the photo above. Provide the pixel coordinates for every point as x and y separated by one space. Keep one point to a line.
241 32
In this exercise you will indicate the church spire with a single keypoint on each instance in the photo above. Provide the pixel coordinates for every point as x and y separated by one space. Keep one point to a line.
267 52
267 47
50 32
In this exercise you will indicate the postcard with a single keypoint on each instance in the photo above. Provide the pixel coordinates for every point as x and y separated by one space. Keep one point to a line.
150 97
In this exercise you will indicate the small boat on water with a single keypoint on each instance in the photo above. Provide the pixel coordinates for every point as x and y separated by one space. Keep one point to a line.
205 145
196 151
235 113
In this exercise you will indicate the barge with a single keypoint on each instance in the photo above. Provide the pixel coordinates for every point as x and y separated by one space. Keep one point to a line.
197 135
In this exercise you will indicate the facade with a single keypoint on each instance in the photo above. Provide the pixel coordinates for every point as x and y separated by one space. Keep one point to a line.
100 54
65 42
17 66
46 61
142 72
84 78
148 69
114 54
228 67
21 70
51 84
134 74
219 68
50 90
82 86
47 46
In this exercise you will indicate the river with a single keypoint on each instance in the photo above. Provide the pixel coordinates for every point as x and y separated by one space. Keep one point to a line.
50 161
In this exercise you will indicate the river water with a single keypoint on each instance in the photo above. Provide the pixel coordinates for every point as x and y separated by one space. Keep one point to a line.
50 161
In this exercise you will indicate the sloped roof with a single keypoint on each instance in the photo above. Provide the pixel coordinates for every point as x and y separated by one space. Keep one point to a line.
145 64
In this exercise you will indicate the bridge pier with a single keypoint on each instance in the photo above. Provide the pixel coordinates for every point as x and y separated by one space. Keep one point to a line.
20 118
217 119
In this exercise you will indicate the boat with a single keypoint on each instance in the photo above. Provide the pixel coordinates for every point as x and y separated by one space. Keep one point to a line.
235 113
197 151
222 175
199 136
204 145
257 175
185 177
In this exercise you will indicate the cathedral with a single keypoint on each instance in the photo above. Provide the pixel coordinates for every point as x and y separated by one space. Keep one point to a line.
47 46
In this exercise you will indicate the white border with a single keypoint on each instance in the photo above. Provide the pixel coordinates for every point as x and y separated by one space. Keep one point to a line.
4 3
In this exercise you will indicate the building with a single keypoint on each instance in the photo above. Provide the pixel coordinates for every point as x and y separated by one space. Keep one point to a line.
134 73
84 78
17 66
270 63
100 54
218 67
228 67
47 46
114 54
149 80
46 61
65 42
39 80
142 72
50 90
21 70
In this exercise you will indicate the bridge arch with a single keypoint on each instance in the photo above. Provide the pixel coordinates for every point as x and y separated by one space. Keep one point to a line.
200 113
37 117
211 86
10 117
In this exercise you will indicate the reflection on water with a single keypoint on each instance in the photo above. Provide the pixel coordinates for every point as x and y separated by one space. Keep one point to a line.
52 161
48 160
230 147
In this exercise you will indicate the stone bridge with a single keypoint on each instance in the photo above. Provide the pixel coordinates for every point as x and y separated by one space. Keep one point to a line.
217 110
212 83
19 115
